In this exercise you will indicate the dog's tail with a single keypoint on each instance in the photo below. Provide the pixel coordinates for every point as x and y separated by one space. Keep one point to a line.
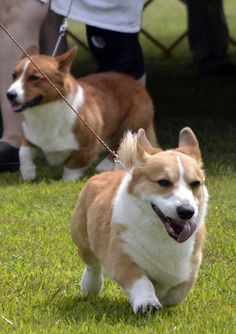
133 148
127 150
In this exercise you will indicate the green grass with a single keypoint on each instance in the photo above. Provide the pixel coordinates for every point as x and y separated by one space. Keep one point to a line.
40 269
39 266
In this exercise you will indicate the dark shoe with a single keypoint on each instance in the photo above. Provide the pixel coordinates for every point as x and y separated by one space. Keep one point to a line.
9 158
226 70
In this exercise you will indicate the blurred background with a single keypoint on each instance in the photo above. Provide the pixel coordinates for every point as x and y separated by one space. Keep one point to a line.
181 98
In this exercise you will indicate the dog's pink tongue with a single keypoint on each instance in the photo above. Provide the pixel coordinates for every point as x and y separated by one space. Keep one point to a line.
16 108
186 232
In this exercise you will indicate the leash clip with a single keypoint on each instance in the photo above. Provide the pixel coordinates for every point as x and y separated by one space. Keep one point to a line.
116 159
63 27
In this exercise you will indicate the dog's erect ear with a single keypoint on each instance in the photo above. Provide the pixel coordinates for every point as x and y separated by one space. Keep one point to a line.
31 50
143 144
188 144
187 138
65 60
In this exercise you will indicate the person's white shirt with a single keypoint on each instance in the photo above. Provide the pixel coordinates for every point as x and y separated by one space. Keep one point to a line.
116 15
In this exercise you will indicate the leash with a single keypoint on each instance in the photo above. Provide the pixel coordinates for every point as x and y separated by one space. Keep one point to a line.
113 154
62 29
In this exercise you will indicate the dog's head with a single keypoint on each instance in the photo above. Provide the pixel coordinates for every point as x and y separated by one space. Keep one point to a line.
171 182
31 88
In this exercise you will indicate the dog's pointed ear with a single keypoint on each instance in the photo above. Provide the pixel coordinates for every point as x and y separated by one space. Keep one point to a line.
31 50
144 145
187 138
188 144
65 60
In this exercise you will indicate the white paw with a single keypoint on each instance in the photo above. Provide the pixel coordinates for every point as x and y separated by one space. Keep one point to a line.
148 305
28 174
91 281
27 166
106 164
72 175
142 296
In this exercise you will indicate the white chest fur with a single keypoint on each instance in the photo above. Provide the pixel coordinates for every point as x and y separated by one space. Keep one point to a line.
49 127
147 242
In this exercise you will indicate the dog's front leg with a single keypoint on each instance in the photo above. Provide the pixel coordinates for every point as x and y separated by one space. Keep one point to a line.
143 297
178 293
27 154
130 276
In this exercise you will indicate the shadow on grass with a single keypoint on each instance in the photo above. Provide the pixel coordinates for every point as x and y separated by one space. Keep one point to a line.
98 309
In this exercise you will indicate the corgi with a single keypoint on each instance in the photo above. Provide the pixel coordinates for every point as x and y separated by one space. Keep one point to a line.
110 103
145 226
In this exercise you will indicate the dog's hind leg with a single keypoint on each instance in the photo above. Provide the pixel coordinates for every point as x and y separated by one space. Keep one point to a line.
92 278
106 164
80 161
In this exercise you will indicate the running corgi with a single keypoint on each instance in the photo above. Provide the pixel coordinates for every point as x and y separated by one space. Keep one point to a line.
145 226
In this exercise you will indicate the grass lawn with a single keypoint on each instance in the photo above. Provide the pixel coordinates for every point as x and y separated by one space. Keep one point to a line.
39 267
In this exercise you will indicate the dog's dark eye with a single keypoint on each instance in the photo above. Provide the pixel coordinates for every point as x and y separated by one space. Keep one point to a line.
33 78
164 183
195 184
14 76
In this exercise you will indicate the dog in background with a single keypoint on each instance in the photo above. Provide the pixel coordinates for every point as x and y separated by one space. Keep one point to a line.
110 103
146 227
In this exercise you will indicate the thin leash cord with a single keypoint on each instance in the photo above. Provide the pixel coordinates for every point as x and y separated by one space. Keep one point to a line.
111 152
62 29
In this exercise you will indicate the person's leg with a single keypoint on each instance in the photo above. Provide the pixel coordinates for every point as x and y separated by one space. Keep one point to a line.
116 51
208 36
49 34
23 20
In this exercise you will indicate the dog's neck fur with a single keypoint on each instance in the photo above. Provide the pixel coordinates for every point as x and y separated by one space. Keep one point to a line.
49 126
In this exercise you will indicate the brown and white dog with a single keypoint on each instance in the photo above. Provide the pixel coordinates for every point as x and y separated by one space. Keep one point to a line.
146 228
111 103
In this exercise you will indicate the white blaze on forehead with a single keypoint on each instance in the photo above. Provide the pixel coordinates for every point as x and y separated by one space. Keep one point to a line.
181 171
183 193
18 86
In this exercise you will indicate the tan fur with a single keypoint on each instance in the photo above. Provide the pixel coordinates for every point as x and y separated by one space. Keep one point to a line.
111 109
99 241
107 248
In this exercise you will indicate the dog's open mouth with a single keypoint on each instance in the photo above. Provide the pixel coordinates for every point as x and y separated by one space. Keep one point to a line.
178 230
32 103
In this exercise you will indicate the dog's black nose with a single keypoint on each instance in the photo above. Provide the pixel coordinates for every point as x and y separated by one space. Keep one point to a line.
11 96
185 211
